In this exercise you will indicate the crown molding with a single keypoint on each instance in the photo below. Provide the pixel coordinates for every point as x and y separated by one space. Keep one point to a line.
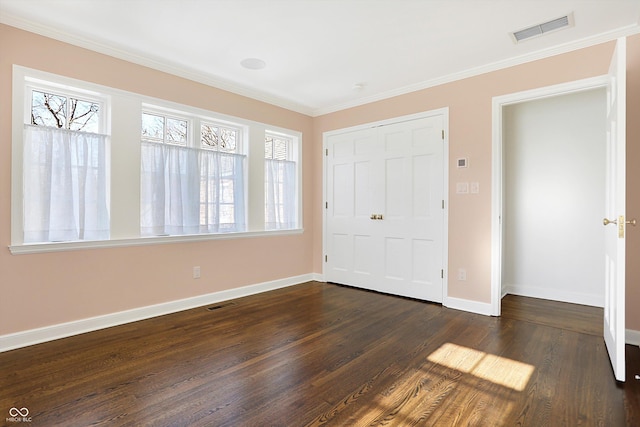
154 63
495 66
190 74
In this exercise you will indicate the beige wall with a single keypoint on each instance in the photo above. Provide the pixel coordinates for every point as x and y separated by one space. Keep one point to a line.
51 288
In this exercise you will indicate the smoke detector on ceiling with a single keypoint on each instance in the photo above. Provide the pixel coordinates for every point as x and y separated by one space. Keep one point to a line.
560 23
253 63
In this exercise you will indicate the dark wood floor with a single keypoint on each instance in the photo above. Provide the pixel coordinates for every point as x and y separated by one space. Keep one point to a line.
319 354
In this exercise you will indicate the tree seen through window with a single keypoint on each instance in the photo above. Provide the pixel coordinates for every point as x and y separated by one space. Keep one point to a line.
64 112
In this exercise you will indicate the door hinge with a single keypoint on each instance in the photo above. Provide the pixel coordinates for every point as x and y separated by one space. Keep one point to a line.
326 151
443 134
326 258
442 274
326 205
442 203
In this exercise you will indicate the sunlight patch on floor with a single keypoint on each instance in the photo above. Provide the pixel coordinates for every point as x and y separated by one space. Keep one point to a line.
499 370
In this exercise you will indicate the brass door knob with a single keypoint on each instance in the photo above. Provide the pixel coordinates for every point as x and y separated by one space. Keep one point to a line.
609 221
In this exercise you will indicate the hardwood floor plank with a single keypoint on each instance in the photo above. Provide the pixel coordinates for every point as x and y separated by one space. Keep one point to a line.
321 354
575 317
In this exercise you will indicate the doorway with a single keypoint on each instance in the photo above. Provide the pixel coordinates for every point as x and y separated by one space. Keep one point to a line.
498 176
614 279
554 175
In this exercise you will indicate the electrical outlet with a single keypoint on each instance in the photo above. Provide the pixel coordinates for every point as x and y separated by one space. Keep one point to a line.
462 274
196 272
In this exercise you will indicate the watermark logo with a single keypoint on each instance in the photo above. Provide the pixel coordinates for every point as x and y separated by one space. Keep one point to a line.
14 412
20 415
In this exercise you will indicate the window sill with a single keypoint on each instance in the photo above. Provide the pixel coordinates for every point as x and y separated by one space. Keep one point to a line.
142 241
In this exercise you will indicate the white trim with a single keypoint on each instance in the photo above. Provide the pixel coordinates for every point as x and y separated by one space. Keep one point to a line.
54 332
26 75
553 90
444 112
154 63
554 295
632 337
318 277
467 305
496 208
63 330
484 69
498 103
210 80
445 196
38 248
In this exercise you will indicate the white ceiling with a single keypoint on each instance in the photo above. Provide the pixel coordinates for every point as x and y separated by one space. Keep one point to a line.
316 51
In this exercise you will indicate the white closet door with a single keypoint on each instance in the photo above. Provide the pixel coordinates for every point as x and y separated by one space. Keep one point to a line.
351 187
385 221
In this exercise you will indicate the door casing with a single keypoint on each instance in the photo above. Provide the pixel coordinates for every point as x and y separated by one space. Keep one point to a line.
497 167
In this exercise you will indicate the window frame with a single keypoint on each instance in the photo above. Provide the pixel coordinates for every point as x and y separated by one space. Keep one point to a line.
166 117
119 121
242 135
293 155
25 82
194 142
69 91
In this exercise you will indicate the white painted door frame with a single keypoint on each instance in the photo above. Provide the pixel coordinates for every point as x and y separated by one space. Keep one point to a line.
497 167
444 112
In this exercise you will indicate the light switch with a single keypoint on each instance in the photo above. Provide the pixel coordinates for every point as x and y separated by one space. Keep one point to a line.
462 188
475 187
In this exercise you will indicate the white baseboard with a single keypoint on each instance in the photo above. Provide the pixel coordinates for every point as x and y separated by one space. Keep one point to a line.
63 330
53 332
555 295
467 305
632 337
318 277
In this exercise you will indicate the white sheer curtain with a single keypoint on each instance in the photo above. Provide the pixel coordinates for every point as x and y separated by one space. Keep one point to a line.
190 191
222 200
65 185
280 194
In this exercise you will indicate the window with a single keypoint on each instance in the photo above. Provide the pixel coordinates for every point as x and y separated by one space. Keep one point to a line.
219 138
222 179
280 180
65 190
169 130
188 187
95 166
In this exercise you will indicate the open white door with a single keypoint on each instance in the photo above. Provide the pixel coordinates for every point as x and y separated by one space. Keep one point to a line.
615 221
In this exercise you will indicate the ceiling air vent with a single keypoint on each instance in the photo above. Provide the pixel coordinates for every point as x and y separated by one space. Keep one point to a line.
544 28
